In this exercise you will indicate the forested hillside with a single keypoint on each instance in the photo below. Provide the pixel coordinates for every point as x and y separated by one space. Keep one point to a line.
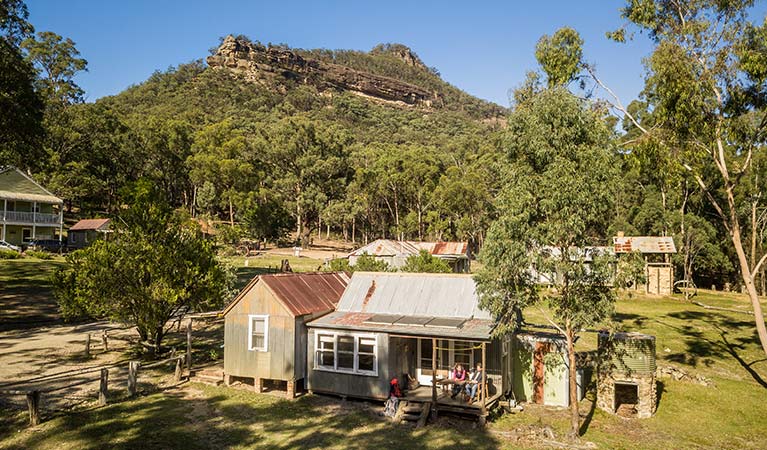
285 156
269 142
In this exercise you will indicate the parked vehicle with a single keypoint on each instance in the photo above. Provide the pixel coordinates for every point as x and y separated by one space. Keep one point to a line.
49 245
7 246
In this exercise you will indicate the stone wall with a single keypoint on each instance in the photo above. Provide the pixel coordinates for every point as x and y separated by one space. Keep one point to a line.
646 392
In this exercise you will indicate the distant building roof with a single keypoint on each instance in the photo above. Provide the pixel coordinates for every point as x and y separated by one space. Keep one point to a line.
411 303
91 224
301 293
644 244
388 247
16 185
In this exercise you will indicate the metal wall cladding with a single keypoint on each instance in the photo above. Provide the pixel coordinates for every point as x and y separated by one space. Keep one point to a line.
629 352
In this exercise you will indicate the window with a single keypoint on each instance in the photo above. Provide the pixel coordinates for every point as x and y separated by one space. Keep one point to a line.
258 333
346 353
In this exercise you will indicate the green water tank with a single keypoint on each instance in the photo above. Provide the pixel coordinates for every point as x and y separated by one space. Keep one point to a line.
632 353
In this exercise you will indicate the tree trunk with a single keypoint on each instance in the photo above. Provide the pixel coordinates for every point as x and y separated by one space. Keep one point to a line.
572 372
745 271
231 211
354 230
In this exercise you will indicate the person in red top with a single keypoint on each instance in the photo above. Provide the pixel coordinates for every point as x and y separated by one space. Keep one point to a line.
391 405
458 375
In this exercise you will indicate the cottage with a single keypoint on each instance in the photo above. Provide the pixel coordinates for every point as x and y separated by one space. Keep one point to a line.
406 325
86 231
395 253
657 251
30 212
265 335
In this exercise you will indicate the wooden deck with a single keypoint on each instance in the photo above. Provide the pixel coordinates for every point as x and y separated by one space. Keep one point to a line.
422 394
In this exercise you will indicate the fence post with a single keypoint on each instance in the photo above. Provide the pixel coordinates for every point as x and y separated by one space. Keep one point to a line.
33 403
88 346
103 387
189 345
177 375
132 377
105 341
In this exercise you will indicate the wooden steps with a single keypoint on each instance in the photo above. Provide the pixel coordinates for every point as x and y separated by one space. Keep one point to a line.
415 412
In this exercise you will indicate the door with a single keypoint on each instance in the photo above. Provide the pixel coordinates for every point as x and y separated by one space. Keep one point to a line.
448 354
541 348
26 235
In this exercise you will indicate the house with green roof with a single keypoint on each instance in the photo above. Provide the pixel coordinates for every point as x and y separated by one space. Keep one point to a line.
30 211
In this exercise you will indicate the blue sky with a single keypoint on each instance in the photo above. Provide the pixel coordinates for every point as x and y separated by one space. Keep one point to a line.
484 48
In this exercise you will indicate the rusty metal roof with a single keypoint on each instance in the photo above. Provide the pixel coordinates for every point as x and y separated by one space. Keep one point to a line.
413 294
307 293
302 293
479 329
90 224
644 244
388 247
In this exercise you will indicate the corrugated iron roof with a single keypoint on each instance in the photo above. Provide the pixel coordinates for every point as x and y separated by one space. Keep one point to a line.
644 244
388 247
90 224
307 293
413 294
480 329
16 185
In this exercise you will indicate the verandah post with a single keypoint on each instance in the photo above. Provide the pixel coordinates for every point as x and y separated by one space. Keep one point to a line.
434 377
483 391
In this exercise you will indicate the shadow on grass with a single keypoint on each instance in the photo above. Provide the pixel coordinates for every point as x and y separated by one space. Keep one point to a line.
701 348
225 418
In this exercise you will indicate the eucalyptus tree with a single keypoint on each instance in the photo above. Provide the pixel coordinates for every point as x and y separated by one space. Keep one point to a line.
557 201
705 93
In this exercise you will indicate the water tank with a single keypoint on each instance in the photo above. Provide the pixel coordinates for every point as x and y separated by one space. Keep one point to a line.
628 352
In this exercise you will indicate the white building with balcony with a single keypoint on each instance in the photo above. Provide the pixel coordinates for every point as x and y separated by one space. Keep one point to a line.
30 211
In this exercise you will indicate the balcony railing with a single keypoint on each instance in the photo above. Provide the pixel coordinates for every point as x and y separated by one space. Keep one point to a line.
29 217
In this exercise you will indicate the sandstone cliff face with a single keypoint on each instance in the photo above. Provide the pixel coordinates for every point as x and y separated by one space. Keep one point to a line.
259 63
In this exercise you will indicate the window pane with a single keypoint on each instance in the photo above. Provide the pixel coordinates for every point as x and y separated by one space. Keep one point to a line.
325 359
326 342
367 345
258 341
258 326
346 360
366 362
345 343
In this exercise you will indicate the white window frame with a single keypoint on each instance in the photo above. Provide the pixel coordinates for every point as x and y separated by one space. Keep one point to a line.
354 371
266 332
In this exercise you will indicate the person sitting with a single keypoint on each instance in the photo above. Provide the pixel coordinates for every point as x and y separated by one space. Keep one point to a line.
457 376
475 378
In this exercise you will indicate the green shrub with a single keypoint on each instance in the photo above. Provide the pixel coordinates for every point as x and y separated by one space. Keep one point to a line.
9 254
39 254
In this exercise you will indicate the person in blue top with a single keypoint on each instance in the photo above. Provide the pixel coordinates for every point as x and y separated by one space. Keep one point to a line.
475 378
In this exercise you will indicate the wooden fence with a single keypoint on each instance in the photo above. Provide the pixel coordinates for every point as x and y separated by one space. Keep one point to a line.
34 396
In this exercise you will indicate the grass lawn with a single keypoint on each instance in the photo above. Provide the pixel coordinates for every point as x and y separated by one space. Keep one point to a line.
719 345
25 290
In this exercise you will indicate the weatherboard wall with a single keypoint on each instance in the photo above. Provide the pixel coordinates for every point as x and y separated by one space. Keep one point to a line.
283 349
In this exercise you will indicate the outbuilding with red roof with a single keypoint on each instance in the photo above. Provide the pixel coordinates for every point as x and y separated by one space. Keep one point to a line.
265 335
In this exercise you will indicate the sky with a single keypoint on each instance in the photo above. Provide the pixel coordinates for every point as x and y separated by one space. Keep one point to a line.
482 47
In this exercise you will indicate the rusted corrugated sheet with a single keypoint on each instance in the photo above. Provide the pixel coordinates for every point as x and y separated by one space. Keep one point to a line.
388 247
90 224
307 293
644 244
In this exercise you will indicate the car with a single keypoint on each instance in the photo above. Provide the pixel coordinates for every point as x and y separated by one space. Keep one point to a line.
8 246
51 245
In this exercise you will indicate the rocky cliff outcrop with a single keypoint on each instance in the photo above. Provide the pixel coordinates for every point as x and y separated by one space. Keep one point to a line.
260 63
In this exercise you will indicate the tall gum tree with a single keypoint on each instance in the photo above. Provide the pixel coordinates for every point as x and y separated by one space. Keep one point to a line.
557 200
706 90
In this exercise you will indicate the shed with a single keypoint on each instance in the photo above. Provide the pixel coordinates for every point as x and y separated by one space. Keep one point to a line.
86 231
265 335
394 253
656 251
405 325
